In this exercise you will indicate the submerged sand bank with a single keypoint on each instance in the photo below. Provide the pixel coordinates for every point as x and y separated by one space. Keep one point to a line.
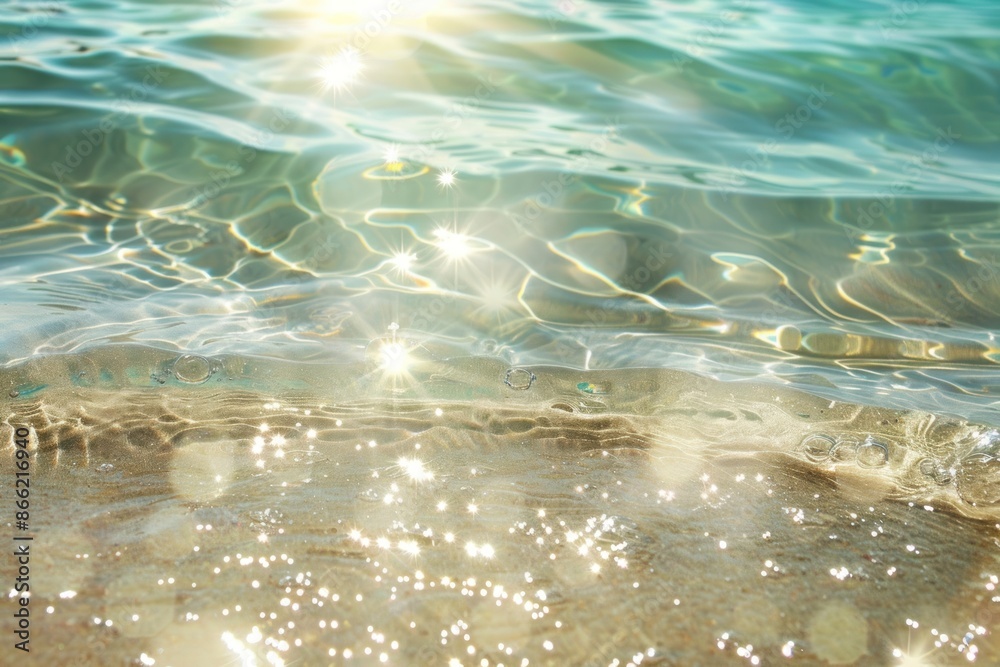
473 513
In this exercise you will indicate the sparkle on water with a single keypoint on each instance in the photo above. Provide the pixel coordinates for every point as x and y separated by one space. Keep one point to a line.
340 71
215 488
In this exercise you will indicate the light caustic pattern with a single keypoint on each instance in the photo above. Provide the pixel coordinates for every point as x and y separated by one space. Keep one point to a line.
300 286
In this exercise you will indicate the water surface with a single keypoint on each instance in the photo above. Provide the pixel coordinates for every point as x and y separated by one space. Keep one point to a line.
678 317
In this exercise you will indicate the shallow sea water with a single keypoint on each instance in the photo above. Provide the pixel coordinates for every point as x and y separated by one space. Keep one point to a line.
515 333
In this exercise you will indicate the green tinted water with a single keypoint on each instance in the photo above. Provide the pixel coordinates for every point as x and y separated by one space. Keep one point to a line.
705 293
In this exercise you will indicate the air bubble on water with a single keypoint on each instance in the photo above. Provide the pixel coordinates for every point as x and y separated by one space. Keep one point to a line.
941 474
978 480
844 450
192 369
872 453
519 378
818 447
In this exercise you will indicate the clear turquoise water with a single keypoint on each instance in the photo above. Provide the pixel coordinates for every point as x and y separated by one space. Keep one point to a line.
630 185
253 200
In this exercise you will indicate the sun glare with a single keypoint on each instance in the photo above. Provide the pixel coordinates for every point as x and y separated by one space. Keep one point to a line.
415 469
403 261
339 72
446 178
454 246
394 358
